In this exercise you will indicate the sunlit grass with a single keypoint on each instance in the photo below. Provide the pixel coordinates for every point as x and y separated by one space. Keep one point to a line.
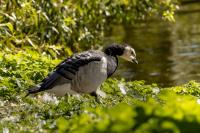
140 108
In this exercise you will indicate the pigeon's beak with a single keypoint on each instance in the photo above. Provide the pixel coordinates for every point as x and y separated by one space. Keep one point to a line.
135 61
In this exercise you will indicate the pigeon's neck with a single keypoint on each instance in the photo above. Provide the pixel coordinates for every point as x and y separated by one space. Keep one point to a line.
114 50
112 64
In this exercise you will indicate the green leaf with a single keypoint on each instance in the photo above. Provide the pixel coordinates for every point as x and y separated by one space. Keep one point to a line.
62 125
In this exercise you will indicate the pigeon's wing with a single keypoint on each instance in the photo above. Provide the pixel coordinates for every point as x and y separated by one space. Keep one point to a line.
66 70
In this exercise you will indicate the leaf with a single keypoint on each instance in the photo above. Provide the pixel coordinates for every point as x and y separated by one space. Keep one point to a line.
30 42
62 125
9 25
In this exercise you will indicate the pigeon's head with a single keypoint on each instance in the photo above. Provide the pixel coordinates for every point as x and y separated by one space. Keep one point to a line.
124 51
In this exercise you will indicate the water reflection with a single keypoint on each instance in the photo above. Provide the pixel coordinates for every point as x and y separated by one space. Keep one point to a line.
168 54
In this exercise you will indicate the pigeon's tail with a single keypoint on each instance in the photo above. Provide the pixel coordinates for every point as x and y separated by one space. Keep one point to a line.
33 90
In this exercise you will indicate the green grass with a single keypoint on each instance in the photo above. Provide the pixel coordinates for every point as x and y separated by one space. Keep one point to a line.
141 108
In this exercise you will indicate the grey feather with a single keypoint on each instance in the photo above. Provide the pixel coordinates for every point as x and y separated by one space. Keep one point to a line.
67 70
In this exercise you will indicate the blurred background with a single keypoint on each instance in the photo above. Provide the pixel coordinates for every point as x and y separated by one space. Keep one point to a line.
168 53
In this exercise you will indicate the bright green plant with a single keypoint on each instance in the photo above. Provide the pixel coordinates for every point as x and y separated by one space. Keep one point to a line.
140 108
58 26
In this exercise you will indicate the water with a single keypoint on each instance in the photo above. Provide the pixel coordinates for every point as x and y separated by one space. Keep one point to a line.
168 53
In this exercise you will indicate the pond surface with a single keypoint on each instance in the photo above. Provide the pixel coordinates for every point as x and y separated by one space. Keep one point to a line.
168 53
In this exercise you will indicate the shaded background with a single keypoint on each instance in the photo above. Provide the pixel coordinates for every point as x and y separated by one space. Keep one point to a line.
168 53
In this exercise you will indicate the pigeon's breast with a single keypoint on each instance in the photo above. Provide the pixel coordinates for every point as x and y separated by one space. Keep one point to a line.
89 77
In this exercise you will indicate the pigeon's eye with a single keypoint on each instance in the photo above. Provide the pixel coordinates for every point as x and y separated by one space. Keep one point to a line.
132 52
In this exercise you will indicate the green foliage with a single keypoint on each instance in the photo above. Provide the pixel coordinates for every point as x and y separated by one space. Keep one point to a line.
137 107
18 71
30 27
52 25
191 88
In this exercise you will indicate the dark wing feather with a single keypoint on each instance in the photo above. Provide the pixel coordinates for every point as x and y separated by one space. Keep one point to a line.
73 63
67 68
